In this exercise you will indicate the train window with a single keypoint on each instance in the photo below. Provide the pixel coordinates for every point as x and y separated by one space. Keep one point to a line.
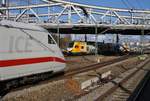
87 48
82 47
71 44
50 40
76 46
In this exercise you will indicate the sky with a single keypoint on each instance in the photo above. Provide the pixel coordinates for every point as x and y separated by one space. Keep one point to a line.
130 4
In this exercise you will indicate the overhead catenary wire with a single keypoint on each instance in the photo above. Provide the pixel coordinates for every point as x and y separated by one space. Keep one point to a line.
128 4
125 4
132 6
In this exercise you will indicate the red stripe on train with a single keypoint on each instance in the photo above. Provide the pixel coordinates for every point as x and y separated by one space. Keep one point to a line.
5 63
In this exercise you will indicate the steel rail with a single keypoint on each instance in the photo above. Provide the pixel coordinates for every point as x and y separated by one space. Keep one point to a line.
111 90
97 65
135 96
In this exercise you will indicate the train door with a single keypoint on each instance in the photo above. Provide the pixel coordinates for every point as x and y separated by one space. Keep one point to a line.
83 47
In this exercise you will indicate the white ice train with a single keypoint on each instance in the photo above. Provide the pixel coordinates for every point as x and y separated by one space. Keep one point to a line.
27 50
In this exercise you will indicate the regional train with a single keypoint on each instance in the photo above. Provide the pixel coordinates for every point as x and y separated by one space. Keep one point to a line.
27 52
79 48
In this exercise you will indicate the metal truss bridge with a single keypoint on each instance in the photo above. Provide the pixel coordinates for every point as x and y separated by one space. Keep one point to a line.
69 17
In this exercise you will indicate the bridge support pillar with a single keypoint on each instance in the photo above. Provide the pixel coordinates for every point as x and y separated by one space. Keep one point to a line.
141 40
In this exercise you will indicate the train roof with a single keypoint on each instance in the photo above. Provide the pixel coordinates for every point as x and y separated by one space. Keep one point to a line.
21 25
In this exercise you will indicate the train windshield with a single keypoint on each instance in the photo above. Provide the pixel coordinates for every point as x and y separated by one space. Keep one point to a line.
71 44
50 40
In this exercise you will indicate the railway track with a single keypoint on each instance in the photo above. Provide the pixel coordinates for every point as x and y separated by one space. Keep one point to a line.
116 69
98 65
72 73
123 89
141 93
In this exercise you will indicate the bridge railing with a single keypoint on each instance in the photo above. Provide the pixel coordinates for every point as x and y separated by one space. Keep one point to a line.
58 11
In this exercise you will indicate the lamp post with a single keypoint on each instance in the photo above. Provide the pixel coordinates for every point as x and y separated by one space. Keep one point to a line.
96 42
141 38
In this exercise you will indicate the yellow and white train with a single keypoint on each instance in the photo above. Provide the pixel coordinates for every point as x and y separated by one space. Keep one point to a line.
80 47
